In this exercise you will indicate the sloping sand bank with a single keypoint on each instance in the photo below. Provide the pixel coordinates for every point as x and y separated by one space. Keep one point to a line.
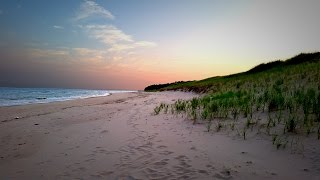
117 137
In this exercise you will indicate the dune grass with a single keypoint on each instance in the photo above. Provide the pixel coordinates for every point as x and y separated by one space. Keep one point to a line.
288 95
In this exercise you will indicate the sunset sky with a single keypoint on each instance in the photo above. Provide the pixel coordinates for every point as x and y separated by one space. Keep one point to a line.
129 44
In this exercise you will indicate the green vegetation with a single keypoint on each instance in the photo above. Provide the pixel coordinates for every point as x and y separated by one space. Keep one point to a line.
286 93
156 87
215 84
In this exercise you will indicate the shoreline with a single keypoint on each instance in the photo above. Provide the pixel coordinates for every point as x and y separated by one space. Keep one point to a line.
11 96
53 101
63 103
34 103
118 137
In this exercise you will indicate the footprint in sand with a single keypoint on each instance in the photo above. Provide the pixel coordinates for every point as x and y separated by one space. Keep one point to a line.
163 162
106 173
201 171
162 147
104 131
249 163
89 160
224 174
166 152
210 166
181 157
82 169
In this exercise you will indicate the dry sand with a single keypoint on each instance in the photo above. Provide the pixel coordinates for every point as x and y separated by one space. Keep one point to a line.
117 137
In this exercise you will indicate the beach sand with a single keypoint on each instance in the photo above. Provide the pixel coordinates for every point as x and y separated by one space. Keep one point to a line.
118 137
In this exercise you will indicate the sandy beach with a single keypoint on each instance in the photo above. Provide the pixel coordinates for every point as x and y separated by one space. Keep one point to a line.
118 137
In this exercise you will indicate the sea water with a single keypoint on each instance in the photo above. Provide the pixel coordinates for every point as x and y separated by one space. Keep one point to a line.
20 96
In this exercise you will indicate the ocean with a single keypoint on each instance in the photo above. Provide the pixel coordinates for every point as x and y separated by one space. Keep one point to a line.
20 96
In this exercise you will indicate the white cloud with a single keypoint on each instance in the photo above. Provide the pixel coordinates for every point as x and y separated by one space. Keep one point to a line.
58 27
90 8
115 38
89 55
47 52
121 47
145 44
128 46
108 34
87 51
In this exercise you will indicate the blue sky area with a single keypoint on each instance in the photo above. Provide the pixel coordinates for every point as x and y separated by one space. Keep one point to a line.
128 44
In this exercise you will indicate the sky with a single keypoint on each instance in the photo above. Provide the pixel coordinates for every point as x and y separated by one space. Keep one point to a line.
129 44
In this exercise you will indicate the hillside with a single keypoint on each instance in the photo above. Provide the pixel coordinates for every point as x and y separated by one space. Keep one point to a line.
213 84
280 99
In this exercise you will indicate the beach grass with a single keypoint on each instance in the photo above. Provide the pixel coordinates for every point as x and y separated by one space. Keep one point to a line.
287 93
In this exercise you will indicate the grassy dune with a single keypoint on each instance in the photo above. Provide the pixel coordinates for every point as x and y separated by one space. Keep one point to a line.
280 99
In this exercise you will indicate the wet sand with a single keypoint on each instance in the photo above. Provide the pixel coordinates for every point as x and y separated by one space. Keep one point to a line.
118 137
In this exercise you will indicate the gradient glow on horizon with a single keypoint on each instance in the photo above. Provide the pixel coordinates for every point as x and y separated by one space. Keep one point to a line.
129 44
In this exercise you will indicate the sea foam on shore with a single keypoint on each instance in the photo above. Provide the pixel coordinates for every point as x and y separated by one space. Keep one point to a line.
20 96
